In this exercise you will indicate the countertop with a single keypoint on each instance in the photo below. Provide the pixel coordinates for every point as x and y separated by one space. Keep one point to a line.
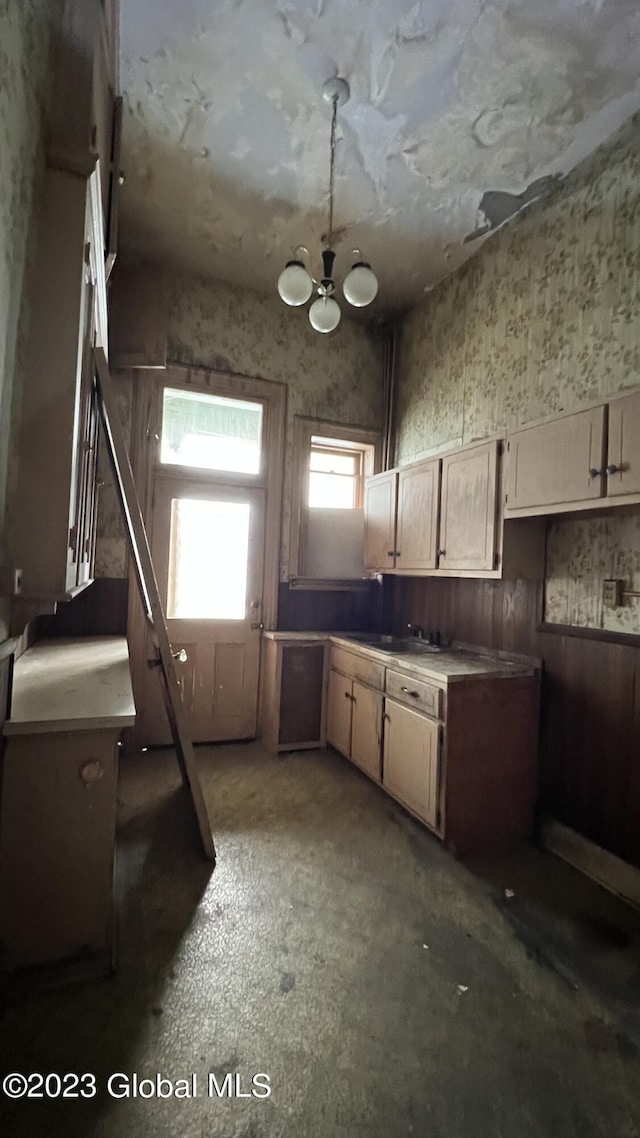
459 662
446 666
72 685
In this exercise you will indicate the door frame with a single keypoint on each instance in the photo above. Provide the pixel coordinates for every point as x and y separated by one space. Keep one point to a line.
147 385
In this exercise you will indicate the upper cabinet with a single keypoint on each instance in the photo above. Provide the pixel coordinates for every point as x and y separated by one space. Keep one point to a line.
380 506
623 450
437 516
557 462
51 505
417 524
468 524
583 460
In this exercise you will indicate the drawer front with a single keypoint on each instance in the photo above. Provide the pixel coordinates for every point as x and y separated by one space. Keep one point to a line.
415 693
367 671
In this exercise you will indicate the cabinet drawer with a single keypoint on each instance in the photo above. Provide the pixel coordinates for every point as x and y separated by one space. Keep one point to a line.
416 693
367 671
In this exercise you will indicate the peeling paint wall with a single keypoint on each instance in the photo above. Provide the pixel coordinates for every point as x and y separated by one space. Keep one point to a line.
337 377
26 30
546 317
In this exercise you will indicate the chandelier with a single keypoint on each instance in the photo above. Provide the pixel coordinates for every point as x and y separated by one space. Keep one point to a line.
296 283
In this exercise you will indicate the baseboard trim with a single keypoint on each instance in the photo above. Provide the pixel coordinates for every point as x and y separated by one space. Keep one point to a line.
607 869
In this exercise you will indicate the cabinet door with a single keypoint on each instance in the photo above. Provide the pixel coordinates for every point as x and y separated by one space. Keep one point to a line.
624 446
556 463
380 500
468 523
365 729
339 712
417 527
410 768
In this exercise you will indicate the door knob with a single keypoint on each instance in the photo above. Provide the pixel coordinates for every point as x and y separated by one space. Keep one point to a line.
181 655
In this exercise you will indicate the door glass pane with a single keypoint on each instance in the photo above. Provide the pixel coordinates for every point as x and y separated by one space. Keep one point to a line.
210 432
208 559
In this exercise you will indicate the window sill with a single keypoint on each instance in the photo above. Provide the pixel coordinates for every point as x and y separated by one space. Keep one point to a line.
331 584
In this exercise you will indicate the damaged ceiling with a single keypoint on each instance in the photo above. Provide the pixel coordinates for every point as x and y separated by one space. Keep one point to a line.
461 113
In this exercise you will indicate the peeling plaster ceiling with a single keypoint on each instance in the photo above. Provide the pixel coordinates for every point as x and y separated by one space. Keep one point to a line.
453 103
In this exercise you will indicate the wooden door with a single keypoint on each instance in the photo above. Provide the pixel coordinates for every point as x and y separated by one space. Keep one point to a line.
417 526
208 549
623 458
366 734
339 712
410 767
557 463
380 501
468 520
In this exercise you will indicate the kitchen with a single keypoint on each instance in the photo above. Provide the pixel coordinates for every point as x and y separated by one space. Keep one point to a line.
412 678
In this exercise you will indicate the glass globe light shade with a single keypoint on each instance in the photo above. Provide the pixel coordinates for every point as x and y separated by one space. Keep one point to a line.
294 284
360 285
324 314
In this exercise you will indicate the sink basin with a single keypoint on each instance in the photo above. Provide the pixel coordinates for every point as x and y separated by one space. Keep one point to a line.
395 645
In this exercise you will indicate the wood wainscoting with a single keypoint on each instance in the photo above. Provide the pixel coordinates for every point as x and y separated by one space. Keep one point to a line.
589 772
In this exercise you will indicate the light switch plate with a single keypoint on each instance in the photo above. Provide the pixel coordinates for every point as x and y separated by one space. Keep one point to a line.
612 593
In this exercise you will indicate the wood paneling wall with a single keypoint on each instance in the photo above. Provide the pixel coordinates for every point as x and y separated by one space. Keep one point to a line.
99 610
589 770
315 610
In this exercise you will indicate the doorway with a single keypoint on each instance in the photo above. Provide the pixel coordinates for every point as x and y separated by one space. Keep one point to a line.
212 476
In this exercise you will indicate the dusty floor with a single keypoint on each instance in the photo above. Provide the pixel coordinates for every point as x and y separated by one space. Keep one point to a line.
384 988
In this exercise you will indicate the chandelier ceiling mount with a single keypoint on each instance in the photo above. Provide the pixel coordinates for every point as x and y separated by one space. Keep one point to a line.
296 283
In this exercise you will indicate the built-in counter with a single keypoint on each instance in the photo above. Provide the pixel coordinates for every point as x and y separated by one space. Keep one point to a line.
451 734
71 700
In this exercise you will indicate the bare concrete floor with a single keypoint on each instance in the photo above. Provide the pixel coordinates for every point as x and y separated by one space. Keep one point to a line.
384 988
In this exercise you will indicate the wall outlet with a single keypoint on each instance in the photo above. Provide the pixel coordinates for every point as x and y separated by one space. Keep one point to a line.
612 593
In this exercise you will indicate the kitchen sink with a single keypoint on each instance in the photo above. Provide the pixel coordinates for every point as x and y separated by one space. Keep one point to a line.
395 645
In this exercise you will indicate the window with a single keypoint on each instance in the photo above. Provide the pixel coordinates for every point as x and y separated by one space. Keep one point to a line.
210 432
335 475
330 465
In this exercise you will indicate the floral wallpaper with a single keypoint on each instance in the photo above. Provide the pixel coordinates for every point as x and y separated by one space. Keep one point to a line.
581 554
338 377
544 318
26 29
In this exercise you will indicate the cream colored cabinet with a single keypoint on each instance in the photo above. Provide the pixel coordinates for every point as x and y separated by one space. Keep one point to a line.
366 729
51 506
380 505
354 722
578 461
417 516
339 712
51 512
469 509
623 451
411 760
557 462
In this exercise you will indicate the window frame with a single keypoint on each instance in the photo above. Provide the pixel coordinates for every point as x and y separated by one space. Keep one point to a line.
369 443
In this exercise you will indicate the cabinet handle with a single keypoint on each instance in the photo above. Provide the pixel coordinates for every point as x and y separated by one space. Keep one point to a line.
613 469
441 552
413 694
398 553
593 473
347 695
391 553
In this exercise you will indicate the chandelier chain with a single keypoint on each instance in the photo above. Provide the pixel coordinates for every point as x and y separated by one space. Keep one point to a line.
332 168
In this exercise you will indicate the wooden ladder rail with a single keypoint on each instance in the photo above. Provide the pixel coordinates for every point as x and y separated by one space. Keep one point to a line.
149 593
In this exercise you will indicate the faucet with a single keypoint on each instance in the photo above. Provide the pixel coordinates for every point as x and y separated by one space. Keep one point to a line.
416 630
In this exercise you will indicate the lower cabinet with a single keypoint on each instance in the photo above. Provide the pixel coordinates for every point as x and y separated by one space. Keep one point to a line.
461 756
354 721
410 762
